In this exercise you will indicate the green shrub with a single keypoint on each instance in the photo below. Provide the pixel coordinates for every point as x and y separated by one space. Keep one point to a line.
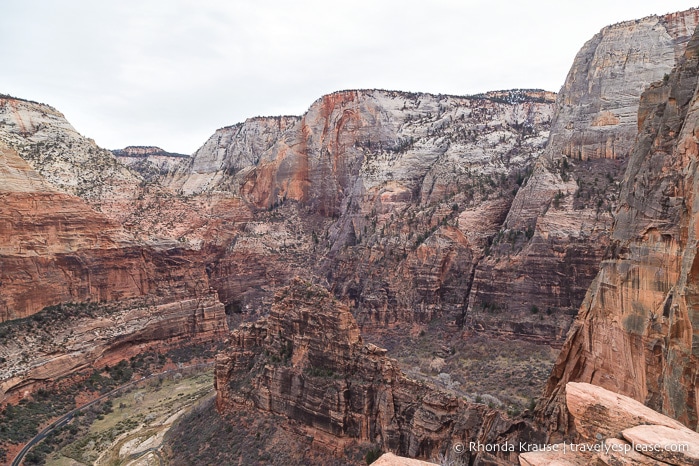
372 455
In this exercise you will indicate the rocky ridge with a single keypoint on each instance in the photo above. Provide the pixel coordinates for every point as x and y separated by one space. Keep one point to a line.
150 162
307 362
70 162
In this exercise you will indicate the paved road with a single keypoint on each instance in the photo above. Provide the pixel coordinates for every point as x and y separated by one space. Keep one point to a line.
66 418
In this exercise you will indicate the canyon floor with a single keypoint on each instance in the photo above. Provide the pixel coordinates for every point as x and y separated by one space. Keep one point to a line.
130 428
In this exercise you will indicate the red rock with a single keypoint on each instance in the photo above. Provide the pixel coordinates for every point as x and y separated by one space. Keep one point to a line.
389 459
597 411
307 362
671 445
636 330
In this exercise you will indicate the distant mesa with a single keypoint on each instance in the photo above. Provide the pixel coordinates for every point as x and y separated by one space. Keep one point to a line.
145 151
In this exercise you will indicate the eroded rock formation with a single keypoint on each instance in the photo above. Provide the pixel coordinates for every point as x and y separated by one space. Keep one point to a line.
558 227
637 331
54 248
307 362
379 188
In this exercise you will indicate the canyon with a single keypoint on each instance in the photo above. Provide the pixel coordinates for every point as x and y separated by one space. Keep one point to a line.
564 220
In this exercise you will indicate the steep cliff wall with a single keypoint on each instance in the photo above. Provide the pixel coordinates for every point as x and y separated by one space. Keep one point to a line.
557 230
54 248
637 330
370 190
69 161
307 362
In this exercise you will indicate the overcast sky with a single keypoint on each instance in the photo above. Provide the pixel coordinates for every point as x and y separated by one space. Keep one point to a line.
168 73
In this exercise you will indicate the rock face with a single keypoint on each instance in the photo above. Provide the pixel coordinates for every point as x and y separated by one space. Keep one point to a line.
125 188
152 163
368 190
65 339
54 248
615 430
68 161
637 330
228 151
386 189
558 227
379 188
307 362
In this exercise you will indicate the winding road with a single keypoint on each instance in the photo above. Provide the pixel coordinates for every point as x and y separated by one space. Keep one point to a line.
66 418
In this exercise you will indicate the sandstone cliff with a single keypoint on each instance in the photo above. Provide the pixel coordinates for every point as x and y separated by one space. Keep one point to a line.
557 229
152 163
54 248
370 190
125 188
70 162
637 330
307 362
228 151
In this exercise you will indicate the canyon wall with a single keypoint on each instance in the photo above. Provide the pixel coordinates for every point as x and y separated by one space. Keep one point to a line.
453 196
55 248
557 230
370 190
125 187
637 330
69 161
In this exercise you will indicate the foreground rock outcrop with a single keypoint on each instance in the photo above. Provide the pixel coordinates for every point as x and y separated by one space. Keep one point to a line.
637 331
615 430
307 362
389 459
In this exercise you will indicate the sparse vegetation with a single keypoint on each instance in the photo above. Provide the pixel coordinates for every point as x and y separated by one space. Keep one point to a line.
21 421
483 369
372 455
